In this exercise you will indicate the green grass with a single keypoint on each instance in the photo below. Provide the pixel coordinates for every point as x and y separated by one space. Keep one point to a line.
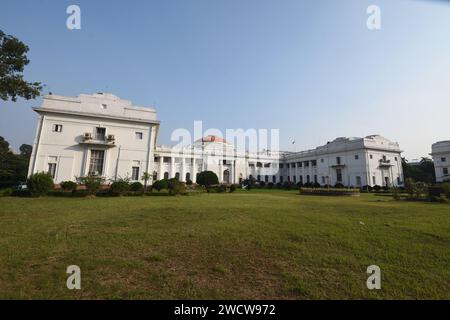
256 244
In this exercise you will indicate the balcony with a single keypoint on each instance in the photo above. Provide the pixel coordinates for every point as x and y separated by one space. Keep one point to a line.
98 140
385 163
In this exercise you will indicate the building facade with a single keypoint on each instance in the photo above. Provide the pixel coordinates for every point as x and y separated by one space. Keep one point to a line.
105 135
93 134
440 151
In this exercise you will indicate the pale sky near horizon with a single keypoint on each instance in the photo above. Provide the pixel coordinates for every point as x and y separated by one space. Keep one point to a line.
309 68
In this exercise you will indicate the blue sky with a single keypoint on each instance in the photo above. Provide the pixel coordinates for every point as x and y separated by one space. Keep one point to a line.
309 68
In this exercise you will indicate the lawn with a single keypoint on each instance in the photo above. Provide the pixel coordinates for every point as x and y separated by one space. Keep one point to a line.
245 245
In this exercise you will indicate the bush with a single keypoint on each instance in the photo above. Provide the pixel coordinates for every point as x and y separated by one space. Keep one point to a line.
160 184
262 184
6 192
396 193
119 187
137 187
68 186
367 188
446 189
316 185
207 178
176 187
92 183
189 182
339 185
270 185
376 188
232 188
329 192
220 188
40 184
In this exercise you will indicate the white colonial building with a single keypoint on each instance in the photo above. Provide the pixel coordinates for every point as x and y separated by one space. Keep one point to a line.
99 134
105 135
440 151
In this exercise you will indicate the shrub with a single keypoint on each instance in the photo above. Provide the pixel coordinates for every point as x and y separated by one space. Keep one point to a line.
189 182
367 188
207 178
299 184
316 185
446 189
232 188
270 185
176 187
68 186
92 183
6 192
396 193
339 185
119 187
40 184
329 192
376 188
262 184
160 184
137 187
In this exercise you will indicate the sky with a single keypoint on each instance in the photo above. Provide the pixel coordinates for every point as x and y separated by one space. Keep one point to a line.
311 69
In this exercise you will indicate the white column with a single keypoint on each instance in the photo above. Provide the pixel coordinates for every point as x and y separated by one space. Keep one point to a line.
161 168
194 171
172 167
183 169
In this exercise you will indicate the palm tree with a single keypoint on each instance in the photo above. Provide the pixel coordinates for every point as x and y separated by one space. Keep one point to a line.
146 176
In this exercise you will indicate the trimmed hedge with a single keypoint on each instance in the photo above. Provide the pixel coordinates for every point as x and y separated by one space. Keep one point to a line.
330 192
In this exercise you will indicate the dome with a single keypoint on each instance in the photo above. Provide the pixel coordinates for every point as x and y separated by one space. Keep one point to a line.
212 138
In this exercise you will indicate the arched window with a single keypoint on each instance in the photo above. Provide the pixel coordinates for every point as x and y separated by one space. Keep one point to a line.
266 179
177 176
274 179
259 178
188 176
155 175
166 175
308 179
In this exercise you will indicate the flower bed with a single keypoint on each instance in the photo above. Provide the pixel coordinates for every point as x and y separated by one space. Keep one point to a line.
330 192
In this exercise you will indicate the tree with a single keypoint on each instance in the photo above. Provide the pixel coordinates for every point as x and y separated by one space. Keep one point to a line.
146 176
13 167
207 178
421 172
13 60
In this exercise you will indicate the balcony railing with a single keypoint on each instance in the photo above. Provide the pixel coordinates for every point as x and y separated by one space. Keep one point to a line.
385 163
108 140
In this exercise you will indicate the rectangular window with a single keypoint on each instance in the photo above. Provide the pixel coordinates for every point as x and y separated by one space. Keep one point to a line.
100 133
139 135
57 128
338 160
371 156
314 163
358 180
443 159
323 180
445 171
339 175
135 173
96 163
52 169
356 157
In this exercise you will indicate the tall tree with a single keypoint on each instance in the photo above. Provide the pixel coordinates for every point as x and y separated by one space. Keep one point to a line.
419 172
13 167
13 60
